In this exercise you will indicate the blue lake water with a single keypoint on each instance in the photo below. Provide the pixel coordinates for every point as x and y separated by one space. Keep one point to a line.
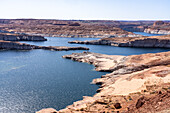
147 34
36 79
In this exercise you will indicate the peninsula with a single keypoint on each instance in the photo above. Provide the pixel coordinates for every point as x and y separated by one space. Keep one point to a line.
152 41
9 45
8 41
137 83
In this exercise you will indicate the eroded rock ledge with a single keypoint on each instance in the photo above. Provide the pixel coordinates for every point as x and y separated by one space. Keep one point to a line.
152 41
9 45
137 83
159 27
20 37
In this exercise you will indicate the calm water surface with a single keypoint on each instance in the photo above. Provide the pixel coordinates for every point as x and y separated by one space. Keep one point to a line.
32 80
147 34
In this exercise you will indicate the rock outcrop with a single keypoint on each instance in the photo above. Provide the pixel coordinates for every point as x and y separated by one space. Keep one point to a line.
137 83
121 64
9 45
49 110
61 48
20 37
157 31
152 41
159 27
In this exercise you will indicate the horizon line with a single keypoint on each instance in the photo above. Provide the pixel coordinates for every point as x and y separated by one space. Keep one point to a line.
88 19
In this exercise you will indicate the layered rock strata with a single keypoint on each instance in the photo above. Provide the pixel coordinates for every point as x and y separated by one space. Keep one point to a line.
157 31
20 37
9 45
159 27
61 48
137 83
152 41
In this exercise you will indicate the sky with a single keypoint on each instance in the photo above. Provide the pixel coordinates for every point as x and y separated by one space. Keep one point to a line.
86 9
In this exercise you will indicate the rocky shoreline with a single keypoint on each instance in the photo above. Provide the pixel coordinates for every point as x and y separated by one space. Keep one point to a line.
157 31
10 45
8 41
159 27
152 41
137 83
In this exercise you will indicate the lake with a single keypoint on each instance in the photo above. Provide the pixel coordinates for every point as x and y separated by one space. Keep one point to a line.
36 79
147 34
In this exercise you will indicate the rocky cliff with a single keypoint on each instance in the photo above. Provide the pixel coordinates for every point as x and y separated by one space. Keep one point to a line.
157 31
136 84
9 45
20 37
152 41
159 27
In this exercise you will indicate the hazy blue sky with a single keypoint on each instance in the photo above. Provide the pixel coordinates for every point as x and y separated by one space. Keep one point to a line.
86 9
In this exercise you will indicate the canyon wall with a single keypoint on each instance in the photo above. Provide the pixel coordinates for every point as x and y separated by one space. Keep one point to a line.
159 27
157 31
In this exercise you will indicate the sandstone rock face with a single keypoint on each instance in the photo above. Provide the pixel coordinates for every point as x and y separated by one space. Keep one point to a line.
121 64
137 83
159 27
153 41
19 37
157 31
61 48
